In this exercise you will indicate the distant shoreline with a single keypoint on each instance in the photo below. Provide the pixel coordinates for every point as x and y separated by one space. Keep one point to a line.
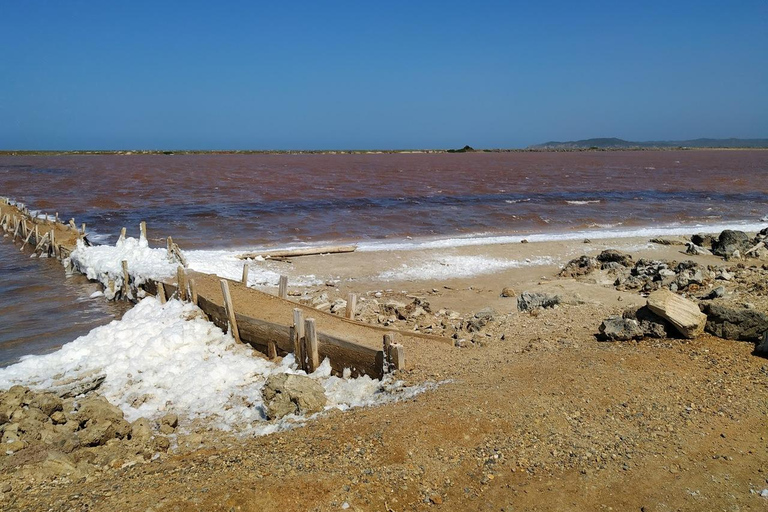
355 151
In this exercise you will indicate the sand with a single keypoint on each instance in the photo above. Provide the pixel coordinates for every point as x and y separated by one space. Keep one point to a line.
533 412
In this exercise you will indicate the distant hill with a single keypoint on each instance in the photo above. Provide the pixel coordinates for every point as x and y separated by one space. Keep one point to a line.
614 143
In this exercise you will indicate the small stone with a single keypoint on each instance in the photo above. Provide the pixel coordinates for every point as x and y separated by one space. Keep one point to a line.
170 419
508 292
436 499
5 487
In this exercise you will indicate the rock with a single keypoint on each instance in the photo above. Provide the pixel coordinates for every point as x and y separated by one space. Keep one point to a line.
76 387
652 325
683 314
170 419
98 411
697 250
480 319
141 431
717 293
761 349
97 434
580 267
528 301
508 292
735 323
58 418
616 328
702 240
59 464
338 306
292 394
731 241
612 255
48 403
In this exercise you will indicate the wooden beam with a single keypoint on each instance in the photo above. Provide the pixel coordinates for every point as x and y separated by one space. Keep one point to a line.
161 293
310 251
126 280
229 308
181 280
193 291
310 345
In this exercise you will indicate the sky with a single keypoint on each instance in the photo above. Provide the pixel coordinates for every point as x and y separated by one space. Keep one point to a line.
377 75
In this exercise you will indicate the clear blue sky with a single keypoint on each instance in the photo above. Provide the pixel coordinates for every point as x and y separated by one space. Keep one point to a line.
389 74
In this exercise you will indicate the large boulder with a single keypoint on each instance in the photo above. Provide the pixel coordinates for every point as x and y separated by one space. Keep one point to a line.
285 394
616 328
528 301
735 323
731 241
683 314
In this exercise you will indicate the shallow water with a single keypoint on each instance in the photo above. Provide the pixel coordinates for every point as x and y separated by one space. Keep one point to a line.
220 201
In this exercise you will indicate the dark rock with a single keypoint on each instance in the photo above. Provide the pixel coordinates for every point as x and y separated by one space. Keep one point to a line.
612 255
580 267
731 241
717 293
697 250
735 323
616 328
703 240
528 301
762 348
480 319
653 325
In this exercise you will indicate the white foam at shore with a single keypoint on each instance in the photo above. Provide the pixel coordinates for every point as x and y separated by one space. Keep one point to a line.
448 267
168 358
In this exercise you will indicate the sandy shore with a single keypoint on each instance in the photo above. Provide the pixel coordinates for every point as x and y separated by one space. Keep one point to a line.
532 413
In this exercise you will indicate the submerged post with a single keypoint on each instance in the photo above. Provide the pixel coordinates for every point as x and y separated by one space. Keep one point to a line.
230 310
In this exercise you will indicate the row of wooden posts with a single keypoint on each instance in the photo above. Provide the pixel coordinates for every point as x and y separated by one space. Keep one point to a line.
302 331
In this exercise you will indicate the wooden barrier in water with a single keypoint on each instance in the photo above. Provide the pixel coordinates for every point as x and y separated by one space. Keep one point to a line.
310 334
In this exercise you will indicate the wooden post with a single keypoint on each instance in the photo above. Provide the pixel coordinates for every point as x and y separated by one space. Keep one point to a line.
169 247
83 228
181 278
310 344
143 231
121 238
230 310
57 218
126 281
53 241
26 241
389 340
72 224
161 293
271 349
397 356
245 274
351 305
298 340
193 291
37 235
282 288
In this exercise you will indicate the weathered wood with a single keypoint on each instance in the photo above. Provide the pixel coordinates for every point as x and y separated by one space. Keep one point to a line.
26 240
310 345
83 233
282 287
397 356
56 218
126 280
72 224
169 247
389 340
310 251
244 280
161 293
229 308
683 314
52 245
271 349
351 305
121 238
298 341
143 231
193 291
181 280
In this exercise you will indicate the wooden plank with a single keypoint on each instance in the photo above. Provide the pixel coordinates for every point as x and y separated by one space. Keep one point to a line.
310 345
181 280
161 293
282 288
126 280
229 308
389 340
193 291
310 251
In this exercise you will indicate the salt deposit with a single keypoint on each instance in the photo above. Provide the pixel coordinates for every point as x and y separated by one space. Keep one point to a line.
447 267
169 358
226 264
